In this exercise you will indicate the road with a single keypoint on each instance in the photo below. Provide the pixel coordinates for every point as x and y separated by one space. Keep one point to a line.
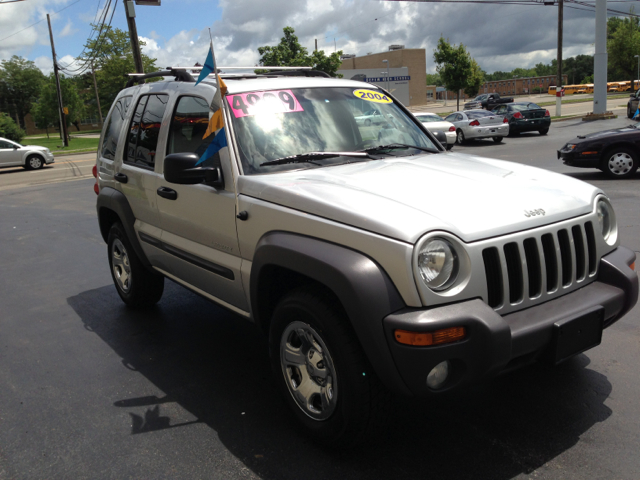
91 389
65 168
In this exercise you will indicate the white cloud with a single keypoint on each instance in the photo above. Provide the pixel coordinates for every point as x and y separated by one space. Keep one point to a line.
45 64
68 30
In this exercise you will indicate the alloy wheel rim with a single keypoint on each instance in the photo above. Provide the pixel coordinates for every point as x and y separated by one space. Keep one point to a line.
121 265
620 163
460 136
308 370
35 162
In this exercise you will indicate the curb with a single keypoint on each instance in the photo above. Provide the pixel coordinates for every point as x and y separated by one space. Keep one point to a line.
64 154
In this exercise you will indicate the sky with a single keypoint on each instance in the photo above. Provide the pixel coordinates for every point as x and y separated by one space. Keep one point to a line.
177 32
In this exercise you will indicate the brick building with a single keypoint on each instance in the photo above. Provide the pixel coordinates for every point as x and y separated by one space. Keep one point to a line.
521 86
414 59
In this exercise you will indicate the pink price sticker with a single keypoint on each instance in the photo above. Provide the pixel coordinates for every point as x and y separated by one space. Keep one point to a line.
254 103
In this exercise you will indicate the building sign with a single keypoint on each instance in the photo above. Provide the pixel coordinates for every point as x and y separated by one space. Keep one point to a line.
391 79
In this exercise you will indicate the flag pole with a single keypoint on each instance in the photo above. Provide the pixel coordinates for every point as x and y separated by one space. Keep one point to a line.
224 111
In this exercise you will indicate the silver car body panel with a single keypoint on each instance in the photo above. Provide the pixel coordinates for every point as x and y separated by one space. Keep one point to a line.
439 126
490 126
12 157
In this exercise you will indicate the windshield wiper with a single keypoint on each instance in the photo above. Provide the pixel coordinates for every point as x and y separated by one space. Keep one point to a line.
309 157
396 146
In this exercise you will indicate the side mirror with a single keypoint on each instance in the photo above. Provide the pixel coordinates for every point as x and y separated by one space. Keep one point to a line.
16 147
441 137
181 168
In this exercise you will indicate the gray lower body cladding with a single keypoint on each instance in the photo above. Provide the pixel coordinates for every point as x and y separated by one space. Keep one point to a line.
494 343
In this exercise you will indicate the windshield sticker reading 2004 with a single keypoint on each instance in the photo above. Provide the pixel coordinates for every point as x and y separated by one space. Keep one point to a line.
372 96
256 103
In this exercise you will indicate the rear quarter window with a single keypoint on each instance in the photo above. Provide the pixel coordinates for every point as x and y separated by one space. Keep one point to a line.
114 127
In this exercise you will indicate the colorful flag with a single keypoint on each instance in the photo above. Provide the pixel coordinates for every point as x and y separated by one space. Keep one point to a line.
216 122
208 66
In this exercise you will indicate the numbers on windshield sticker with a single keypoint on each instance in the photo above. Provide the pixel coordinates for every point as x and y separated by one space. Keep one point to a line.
372 96
255 103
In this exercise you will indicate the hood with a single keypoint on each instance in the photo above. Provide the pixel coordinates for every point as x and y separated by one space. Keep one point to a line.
406 197
606 133
34 147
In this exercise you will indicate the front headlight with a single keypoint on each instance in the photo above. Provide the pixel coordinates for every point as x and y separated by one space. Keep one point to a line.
607 221
438 264
570 146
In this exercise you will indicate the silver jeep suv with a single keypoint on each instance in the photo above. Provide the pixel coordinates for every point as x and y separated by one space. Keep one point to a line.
375 261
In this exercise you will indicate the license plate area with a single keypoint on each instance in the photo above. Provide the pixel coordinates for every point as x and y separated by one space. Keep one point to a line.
576 334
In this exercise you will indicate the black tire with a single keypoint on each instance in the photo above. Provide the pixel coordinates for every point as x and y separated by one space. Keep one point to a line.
543 131
137 286
357 404
497 139
513 133
619 162
460 138
34 162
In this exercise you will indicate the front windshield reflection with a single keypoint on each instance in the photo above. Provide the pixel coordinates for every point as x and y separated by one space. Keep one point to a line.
281 123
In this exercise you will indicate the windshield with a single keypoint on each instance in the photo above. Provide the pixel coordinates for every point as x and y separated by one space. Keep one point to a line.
479 98
429 118
271 125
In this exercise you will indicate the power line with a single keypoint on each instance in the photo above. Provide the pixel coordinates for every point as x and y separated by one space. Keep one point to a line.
39 21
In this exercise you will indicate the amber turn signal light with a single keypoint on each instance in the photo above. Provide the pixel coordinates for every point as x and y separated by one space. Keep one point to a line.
424 339
633 266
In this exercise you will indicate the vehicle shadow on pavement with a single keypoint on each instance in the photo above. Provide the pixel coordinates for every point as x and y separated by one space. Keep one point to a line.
215 365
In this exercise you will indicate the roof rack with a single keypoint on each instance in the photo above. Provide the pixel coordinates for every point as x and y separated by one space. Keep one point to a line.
295 73
179 74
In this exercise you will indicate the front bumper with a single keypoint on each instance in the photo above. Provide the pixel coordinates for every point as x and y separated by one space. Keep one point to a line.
577 159
501 130
495 344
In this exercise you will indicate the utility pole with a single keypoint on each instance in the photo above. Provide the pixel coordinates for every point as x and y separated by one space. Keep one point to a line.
95 85
316 44
63 120
133 35
600 60
559 78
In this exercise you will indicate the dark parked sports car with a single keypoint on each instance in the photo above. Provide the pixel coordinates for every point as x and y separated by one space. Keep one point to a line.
525 117
615 152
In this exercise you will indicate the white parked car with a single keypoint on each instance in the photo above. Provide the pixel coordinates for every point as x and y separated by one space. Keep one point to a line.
371 117
475 124
31 157
436 123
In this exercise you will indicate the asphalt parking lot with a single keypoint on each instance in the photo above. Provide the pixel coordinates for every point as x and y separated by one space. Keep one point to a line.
91 389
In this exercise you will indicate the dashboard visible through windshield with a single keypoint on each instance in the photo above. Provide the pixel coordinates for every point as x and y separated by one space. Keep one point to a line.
271 125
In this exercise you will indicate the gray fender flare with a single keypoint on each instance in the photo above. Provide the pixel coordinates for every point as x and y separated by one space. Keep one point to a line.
365 290
111 200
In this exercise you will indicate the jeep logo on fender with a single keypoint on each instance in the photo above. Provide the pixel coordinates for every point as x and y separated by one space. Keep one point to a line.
533 213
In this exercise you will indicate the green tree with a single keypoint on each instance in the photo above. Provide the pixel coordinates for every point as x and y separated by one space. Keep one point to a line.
46 109
10 129
20 82
113 60
621 48
289 53
455 66
434 79
475 80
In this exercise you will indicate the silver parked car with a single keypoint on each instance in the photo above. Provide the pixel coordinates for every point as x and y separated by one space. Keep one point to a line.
473 124
435 123
31 157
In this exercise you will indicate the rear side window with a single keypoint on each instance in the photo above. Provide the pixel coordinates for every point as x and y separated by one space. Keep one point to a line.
142 138
114 126
188 126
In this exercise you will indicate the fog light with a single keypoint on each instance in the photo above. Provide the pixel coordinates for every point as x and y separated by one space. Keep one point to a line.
438 375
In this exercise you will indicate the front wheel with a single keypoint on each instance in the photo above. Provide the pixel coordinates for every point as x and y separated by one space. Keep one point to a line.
620 163
497 139
34 162
460 139
323 373
137 286
543 131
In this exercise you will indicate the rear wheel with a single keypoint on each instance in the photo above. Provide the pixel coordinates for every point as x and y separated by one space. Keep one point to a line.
543 131
620 163
497 139
629 112
137 286
460 139
322 372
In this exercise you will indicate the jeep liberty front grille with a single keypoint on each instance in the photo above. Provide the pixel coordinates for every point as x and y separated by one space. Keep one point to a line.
537 267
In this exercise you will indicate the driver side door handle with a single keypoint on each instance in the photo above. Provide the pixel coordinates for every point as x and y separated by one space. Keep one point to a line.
167 193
